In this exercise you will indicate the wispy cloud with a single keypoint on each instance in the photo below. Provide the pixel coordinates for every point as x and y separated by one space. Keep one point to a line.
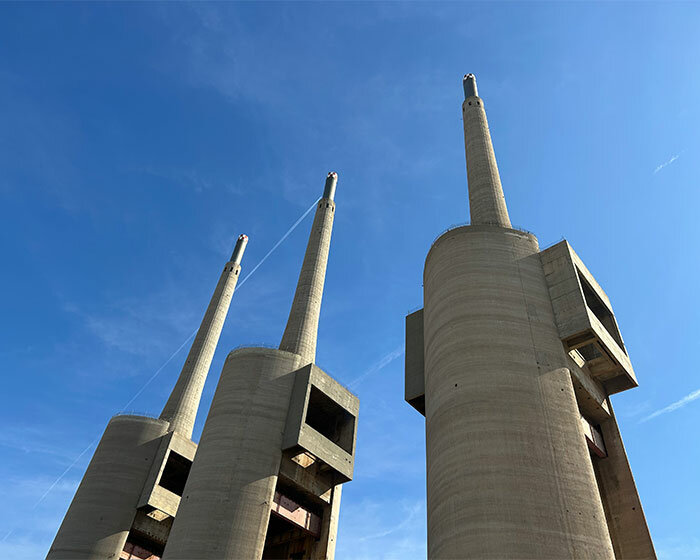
378 365
690 397
410 512
669 162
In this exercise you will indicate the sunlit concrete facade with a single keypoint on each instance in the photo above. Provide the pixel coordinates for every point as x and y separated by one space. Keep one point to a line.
512 361
130 493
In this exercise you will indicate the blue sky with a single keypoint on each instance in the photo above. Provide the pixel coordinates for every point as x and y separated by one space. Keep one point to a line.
138 140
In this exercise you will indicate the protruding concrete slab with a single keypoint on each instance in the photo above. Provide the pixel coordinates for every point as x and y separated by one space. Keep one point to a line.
414 383
585 319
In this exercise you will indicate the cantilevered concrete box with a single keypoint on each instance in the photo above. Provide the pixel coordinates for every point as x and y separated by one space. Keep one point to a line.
585 319
322 420
414 383
163 489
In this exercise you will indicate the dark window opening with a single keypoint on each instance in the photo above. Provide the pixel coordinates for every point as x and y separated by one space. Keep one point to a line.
140 547
589 352
601 311
330 419
284 541
175 473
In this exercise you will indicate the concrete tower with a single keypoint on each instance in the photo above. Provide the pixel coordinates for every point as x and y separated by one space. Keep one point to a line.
278 442
126 502
512 362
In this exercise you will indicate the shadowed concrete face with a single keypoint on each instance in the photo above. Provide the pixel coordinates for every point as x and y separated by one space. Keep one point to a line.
302 326
181 408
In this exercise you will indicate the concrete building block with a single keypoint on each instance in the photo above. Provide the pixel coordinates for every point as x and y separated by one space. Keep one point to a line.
414 384
336 416
155 495
623 509
507 463
579 304
101 514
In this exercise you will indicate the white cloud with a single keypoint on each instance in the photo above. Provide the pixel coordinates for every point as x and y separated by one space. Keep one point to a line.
669 162
690 397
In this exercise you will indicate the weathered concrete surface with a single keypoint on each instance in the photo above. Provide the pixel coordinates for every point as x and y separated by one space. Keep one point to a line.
103 509
336 452
325 547
508 470
225 507
153 494
623 508
487 205
183 403
301 332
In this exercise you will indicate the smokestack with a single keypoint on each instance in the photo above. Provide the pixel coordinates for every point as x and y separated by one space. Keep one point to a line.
469 85
487 205
239 249
181 408
302 326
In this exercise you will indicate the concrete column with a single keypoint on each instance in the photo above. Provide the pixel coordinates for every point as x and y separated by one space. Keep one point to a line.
626 522
325 547
508 471
99 518
225 507
301 332
183 403
487 205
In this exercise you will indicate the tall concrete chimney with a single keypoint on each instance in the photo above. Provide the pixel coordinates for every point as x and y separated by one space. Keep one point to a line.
131 490
487 205
512 361
278 443
181 408
301 332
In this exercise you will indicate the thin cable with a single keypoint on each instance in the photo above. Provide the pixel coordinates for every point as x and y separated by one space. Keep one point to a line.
287 234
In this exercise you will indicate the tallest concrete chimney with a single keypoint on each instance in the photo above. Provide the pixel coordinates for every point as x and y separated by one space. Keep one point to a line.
181 408
487 205
302 326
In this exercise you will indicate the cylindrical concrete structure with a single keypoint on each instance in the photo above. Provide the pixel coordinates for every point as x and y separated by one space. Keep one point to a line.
183 403
508 471
226 503
487 205
99 518
301 332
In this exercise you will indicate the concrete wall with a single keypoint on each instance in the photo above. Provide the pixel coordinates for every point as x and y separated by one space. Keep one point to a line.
623 509
225 507
103 509
508 469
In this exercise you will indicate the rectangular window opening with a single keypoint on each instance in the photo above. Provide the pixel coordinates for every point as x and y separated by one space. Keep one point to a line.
175 473
330 419
601 311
